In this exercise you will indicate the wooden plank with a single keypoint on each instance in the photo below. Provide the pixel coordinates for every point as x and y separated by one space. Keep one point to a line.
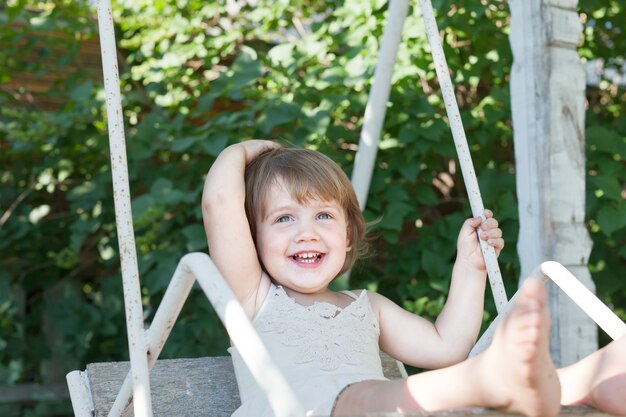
206 387
184 387
483 412
180 387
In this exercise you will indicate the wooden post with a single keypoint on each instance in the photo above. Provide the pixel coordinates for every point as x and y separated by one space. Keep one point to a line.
547 103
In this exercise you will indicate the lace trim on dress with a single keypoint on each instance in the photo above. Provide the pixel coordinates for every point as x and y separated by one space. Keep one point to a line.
321 332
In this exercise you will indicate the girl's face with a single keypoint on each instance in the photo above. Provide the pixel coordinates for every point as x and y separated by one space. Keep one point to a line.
302 246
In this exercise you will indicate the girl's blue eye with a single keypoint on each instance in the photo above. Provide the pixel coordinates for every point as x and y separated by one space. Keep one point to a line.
283 219
324 216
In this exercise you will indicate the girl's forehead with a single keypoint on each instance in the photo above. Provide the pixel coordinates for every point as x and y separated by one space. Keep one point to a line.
280 195
279 191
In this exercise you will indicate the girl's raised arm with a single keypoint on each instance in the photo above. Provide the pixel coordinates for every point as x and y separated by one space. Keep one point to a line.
228 233
421 343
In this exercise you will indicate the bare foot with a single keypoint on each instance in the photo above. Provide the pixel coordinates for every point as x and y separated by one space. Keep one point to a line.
517 366
608 385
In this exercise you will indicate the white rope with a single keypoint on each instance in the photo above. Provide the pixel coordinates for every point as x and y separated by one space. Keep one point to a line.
137 344
462 149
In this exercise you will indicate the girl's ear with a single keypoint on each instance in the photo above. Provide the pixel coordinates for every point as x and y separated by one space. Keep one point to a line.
349 245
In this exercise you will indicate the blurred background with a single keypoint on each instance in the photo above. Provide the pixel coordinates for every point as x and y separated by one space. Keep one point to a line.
198 75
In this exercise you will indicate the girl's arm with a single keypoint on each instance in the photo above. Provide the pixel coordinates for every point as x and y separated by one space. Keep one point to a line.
417 341
228 233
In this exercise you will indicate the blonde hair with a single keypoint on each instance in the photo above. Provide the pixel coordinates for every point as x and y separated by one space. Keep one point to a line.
306 174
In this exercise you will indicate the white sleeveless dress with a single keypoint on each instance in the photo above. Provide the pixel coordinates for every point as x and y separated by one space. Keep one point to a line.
319 349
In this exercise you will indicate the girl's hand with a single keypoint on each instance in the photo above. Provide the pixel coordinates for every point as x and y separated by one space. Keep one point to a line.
255 147
468 247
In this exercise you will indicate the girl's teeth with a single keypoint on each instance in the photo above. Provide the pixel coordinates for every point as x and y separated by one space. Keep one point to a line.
307 257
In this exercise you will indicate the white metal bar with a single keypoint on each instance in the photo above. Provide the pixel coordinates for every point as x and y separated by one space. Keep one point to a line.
485 340
581 295
80 394
245 338
377 101
584 298
160 328
465 159
137 345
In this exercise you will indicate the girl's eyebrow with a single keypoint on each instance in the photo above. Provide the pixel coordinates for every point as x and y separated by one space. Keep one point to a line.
328 205
329 208
271 213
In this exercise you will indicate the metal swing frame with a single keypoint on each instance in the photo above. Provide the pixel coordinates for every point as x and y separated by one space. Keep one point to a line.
145 346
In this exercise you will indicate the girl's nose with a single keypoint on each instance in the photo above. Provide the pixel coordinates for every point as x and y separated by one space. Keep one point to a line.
306 232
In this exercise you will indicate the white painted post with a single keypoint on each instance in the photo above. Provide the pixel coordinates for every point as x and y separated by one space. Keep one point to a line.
137 344
376 107
547 102
465 159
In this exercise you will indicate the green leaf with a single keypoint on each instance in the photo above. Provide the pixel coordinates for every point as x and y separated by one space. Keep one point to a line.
607 186
183 144
206 102
318 122
142 204
215 144
246 69
282 55
196 238
82 92
611 219
434 265
605 140
424 194
278 115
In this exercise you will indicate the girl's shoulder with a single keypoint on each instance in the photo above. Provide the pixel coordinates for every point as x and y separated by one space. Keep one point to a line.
381 304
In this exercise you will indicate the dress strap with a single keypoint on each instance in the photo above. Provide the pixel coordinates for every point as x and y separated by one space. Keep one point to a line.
350 294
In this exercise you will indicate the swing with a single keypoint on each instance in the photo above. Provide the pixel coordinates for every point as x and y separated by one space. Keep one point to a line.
206 386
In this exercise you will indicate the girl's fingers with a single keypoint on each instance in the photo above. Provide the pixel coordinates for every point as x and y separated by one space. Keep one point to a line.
491 234
490 223
496 243
256 147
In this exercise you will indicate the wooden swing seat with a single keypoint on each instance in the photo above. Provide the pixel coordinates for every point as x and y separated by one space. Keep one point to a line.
206 387
187 387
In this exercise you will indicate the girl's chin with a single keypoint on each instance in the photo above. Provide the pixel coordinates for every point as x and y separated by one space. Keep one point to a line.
304 286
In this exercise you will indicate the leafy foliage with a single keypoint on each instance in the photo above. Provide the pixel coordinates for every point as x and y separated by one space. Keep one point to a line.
197 76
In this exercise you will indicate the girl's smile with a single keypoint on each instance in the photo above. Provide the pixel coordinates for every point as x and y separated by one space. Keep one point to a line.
308 257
